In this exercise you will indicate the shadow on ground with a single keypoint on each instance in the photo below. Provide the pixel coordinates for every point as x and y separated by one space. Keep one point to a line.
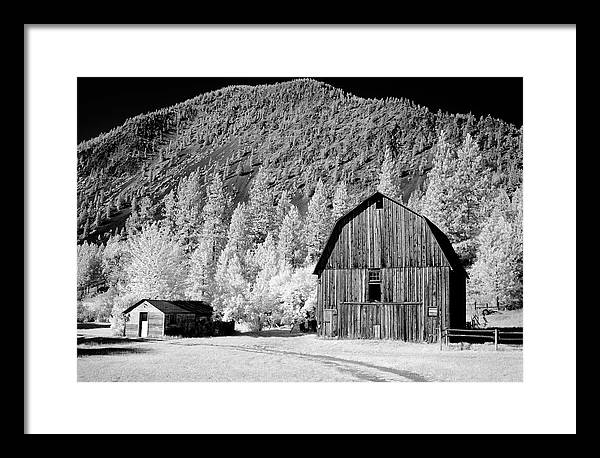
92 325
107 340
273 333
93 351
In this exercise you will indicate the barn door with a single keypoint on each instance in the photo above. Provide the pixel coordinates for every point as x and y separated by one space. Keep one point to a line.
143 324
330 322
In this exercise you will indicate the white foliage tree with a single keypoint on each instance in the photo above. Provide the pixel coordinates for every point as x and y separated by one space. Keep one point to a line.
231 284
89 265
157 264
290 245
456 195
260 208
497 273
386 184
298 296
203 261
340 202
316 223
281 210
262 298
187 211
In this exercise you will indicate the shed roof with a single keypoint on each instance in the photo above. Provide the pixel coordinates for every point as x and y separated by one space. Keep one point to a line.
197 307
440 237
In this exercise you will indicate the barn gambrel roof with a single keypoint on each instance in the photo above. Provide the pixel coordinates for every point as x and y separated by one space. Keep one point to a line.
197 307
439 236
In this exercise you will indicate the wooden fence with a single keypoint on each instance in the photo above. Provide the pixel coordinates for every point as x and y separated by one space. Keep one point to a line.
512 336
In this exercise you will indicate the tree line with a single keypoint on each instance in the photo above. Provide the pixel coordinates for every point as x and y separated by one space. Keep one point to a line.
300 132
256 266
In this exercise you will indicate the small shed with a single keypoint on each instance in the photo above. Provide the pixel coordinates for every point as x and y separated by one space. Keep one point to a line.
387 272
157 318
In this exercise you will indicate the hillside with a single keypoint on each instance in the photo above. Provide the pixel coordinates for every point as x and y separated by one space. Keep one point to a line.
299 132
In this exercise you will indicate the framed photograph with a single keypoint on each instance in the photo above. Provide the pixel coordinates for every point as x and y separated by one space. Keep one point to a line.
283 216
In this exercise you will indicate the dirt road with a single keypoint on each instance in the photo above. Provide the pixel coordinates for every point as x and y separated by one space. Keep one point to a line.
278 356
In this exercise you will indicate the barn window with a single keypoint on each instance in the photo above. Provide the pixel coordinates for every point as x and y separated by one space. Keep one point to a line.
374 292
379 203
374 276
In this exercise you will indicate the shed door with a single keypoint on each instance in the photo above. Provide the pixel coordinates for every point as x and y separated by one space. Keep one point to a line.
143 324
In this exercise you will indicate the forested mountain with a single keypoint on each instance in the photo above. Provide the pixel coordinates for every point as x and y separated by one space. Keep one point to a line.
298 132
230 196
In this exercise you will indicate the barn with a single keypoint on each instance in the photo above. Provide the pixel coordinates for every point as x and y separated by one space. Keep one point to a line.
158 318
387 272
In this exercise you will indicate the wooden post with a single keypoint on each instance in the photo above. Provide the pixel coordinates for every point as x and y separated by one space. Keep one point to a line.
496 339
440 336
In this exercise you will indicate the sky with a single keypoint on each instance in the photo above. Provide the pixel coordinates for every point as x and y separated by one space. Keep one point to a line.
104 103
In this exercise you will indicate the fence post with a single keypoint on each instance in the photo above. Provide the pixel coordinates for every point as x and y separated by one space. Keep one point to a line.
440 336
496 339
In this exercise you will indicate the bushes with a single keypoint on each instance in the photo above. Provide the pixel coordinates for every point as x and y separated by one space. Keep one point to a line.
223 328
117 320
97 308
83 313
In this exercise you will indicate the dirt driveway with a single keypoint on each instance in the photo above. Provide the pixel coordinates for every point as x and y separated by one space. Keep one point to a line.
280 356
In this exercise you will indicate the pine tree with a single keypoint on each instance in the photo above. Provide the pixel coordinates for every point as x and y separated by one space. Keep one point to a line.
203 262
86 229
290 246
317 223
146 211
386 184
516 220
213 215
187 212
89 265
457 193
226 169
281 210
415 200
170 210
231 282
340 202
115 257
260 208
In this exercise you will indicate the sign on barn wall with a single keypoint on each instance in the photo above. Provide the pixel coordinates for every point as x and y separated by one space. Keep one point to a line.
432 311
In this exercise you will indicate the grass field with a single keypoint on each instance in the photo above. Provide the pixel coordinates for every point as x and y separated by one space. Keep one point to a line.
281 356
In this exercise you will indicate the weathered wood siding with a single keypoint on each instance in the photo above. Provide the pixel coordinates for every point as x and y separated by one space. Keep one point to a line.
156 320
416 278
392 236
379 321
430 286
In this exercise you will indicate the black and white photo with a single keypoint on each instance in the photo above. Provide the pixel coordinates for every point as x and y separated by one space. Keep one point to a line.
296 231
299 228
